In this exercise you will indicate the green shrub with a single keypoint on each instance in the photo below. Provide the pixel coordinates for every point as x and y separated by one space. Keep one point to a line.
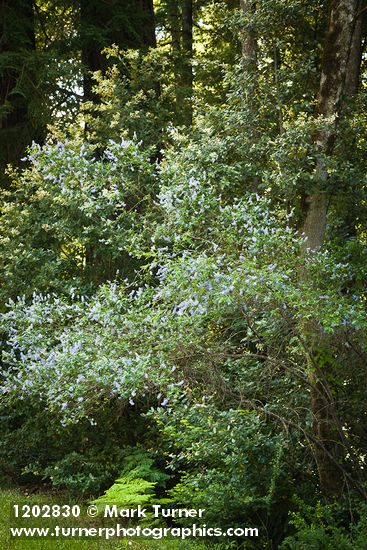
328 527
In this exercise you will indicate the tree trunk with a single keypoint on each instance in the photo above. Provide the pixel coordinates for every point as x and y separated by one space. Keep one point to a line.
180 19
17 41
126 23
147 37
355 54
173 14
337 51
250 72
187 49
249 42
249 55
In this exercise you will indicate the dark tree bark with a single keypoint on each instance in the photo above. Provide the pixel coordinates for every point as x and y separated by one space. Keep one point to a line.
180 17
337 51
173 16
249 55
16 43
126 23
352 84
187 48
249 42
250 71
355 54
147 37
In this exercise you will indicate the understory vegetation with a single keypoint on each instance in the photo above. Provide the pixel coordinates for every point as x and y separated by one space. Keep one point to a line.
184 265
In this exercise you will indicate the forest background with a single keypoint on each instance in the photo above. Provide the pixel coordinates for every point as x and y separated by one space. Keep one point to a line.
183 252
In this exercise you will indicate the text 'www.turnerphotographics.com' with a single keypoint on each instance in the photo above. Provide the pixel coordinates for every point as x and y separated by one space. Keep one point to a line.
126 529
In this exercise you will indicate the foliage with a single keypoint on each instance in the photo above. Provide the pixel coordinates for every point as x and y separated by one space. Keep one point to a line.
136 98
158 296
78 209
137 483
232 465
327 527
83 458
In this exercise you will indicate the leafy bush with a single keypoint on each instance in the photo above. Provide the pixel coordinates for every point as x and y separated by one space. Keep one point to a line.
83 458
232 464
78 207
208 338
327 527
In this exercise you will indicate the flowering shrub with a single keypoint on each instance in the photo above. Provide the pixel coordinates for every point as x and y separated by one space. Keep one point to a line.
76 354
78 208
210 306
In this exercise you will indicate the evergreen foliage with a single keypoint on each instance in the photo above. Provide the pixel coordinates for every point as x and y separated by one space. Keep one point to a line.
183 300
137 484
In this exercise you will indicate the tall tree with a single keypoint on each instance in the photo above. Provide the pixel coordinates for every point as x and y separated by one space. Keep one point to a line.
352 76
177 17
187 48
249 42
337 52
17 81
128 24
